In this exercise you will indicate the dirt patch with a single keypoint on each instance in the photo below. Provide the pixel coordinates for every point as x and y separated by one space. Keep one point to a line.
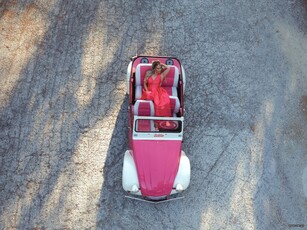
253 127
294 131
304 4
303 105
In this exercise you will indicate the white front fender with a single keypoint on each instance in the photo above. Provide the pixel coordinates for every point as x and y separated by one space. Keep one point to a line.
184 172
129 176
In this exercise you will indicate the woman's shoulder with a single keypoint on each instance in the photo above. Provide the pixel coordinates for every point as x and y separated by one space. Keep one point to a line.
148 73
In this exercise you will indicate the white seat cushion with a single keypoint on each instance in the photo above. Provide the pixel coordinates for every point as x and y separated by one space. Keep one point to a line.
144 108
175 105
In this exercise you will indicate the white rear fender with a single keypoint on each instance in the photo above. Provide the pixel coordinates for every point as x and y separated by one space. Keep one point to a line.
184 172
183 77
130 177
128 77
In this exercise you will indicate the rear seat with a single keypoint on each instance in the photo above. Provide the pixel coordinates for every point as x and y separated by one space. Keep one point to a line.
170 85
175 105
144 108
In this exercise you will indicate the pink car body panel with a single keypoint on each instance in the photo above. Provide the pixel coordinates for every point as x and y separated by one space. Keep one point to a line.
157 164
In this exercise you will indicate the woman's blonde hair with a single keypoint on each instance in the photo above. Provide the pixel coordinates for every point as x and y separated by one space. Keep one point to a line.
154 65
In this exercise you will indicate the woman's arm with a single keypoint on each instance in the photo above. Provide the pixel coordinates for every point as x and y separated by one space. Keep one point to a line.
148 73
165 72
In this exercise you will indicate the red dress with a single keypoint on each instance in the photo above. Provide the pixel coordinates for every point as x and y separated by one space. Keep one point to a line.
159 96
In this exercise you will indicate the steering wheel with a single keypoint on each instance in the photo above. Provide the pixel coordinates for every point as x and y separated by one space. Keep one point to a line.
168 125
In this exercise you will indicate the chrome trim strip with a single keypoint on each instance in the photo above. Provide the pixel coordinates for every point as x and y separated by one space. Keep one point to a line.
154 202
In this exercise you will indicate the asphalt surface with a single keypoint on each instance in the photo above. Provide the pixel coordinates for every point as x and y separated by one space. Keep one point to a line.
63 112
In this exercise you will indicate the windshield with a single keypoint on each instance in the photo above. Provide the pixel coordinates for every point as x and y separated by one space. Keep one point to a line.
156 126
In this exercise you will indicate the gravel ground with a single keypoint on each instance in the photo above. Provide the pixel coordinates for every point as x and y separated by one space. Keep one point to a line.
63 112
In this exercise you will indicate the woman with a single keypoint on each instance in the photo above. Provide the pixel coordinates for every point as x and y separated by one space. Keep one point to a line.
154 91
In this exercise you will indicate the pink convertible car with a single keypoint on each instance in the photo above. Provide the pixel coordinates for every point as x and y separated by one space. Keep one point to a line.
155 167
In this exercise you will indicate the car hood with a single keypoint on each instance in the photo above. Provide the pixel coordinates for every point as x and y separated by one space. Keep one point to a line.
157 164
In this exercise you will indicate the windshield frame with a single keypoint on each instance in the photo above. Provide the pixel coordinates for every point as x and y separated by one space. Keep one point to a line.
159 134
